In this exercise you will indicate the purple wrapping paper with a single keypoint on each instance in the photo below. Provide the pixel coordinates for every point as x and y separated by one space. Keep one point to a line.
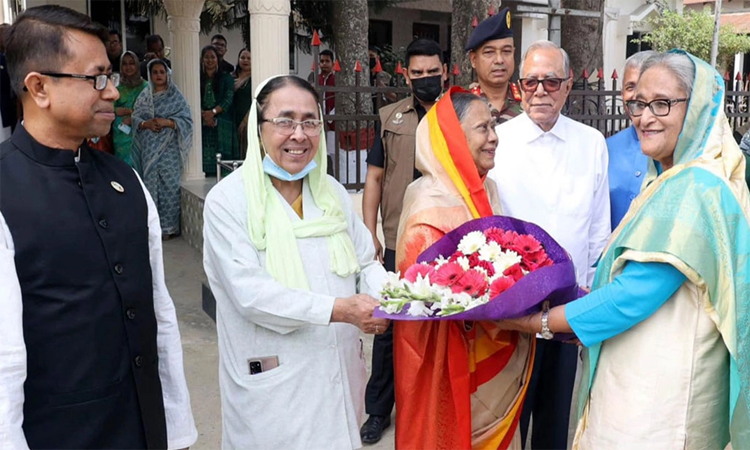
556 283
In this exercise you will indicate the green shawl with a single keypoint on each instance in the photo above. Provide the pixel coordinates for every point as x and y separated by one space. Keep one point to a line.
270 227
696 212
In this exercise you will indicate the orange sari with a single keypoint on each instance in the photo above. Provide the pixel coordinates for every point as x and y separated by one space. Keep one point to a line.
459 385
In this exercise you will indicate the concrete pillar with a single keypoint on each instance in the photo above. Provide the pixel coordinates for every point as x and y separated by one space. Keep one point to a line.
183 21
269 38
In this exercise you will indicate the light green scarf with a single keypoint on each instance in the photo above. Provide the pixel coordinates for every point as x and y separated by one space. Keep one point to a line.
272 230
696 212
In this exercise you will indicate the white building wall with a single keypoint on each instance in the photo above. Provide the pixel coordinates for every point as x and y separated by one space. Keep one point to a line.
616 32
533 29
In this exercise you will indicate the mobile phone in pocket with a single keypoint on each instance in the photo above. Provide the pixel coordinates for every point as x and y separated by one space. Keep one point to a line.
264 364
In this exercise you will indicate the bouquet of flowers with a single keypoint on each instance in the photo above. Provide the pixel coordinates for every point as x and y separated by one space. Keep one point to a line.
487 269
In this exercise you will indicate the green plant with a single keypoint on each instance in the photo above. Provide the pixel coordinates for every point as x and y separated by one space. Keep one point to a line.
693 31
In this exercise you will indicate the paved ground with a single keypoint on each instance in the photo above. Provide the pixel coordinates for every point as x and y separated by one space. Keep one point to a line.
184 272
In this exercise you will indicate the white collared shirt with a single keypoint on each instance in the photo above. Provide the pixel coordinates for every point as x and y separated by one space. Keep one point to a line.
557 180
181 430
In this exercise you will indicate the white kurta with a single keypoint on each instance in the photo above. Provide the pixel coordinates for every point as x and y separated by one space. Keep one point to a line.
557 180
315 398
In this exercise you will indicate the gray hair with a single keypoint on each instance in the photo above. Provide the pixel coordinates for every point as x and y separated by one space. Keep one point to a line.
547 45
461 102
636 61
678 64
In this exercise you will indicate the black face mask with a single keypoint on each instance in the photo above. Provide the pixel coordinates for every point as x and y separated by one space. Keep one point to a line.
373 61
427 89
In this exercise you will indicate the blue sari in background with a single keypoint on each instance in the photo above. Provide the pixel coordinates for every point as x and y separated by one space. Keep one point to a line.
159 156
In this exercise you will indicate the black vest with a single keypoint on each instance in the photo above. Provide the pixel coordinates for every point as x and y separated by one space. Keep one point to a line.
81 251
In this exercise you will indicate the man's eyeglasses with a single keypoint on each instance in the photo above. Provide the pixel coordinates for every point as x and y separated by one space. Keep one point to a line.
100 81
659 107
549 84
287 127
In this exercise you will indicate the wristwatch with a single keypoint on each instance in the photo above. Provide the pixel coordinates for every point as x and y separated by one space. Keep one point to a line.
546 333
214 111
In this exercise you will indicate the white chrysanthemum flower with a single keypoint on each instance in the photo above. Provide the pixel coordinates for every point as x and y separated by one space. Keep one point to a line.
472 242
418 309
505 260
490 251
463 262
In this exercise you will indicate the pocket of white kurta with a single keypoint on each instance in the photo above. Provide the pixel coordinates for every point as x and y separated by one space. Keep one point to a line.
268 372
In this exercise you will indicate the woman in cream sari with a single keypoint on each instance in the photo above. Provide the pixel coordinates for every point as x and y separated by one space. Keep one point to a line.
667 326
459 385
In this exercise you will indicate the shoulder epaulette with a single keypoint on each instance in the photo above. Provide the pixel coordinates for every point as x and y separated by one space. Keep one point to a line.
515 92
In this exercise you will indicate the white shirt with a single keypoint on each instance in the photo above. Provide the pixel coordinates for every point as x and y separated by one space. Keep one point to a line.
557 180
4 127
181 431
314 399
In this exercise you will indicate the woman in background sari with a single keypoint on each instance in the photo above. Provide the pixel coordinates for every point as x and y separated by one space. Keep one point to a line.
131 85
459 385
163 137
243 97
217 93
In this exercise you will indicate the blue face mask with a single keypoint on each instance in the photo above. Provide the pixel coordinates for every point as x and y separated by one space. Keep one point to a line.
274 170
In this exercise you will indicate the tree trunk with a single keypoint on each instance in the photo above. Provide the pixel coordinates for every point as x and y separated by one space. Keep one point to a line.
582 37
464 12
350 24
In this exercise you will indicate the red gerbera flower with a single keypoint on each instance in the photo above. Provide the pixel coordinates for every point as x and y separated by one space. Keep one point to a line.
418 269
514 272
494 234
508 239
447 274
501 285
535 260
525 244
471 282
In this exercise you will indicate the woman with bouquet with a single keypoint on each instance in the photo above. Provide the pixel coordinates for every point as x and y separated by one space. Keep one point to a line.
459 385
667 327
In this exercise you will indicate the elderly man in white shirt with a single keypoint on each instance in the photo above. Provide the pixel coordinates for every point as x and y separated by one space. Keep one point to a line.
552 171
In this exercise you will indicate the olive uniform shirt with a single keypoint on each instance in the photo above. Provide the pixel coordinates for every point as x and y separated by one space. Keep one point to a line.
512 106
